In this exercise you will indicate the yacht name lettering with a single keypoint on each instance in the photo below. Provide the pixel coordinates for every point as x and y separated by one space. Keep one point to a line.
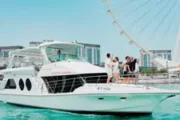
103 88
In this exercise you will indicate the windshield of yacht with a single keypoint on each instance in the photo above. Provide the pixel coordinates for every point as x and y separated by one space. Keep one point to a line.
63 53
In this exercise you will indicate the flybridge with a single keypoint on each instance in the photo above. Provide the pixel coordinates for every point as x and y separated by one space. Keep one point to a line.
43 54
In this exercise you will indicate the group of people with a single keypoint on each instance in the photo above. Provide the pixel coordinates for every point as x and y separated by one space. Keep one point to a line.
130 68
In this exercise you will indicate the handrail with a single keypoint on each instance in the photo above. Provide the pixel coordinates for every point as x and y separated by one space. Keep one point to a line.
163 75
164 78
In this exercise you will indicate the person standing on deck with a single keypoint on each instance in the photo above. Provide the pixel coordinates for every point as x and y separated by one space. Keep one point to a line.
126 69
136 70
116 71
109 67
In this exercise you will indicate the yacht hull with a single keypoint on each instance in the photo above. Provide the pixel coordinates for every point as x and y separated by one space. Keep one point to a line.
91 103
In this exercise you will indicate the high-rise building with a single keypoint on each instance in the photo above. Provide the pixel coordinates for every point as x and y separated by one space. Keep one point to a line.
146 60
37 43
34 44
4 50
91 52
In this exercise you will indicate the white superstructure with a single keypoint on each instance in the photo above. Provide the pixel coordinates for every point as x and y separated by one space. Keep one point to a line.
35 77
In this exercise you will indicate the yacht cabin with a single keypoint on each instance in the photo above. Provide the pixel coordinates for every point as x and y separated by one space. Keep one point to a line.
53 67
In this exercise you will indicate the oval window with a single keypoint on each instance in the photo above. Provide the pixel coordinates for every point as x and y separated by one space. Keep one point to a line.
28 84
21 84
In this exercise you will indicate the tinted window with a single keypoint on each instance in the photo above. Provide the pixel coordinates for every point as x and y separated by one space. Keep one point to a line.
1 53
6 53
10 84
63 84
28 84
21 84
89 55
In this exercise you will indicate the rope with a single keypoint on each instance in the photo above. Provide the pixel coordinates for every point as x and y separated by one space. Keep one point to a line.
144 14
166 15
137 8
171 22
149 23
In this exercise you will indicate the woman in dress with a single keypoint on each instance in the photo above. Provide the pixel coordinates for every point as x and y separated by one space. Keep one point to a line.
116 71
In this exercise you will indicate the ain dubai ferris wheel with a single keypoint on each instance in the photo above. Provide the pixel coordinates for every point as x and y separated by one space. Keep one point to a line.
153 21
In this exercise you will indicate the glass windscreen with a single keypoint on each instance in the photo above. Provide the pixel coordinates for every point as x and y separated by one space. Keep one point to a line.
26 61
64 53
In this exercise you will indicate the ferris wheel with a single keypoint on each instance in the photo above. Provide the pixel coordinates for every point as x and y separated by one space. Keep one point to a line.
167 12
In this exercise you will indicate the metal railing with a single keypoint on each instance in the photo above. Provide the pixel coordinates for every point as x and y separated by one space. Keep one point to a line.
55 85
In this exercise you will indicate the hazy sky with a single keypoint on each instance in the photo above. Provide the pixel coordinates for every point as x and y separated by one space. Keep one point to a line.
22 21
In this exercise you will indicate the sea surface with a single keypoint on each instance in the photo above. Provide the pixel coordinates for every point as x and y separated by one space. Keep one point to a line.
168 110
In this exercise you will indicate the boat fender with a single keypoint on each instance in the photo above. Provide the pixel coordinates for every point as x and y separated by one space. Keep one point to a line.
123 98
101 98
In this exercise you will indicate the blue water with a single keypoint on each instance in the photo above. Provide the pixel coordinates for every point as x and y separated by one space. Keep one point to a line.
168 110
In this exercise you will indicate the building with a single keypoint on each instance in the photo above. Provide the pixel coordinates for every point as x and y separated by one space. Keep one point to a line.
34 44
4 50
4 53
146 60
91 52
37 43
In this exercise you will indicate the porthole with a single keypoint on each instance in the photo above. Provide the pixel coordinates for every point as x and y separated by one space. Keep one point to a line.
28 84
123 98
101 98
21 84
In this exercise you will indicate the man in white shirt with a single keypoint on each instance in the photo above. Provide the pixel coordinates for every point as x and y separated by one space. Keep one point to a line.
109 67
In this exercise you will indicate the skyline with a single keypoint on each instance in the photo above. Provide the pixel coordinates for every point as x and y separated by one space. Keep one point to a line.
84 21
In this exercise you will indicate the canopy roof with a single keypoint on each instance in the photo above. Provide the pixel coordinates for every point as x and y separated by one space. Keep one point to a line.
66 47
58 44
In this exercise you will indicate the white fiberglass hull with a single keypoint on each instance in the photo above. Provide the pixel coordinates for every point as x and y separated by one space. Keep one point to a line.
91 103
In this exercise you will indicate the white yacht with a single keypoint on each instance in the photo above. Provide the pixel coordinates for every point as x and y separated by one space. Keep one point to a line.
39 77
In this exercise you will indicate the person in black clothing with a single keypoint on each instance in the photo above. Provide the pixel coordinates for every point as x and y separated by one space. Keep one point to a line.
126 69
132 66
